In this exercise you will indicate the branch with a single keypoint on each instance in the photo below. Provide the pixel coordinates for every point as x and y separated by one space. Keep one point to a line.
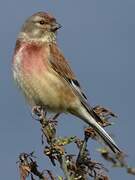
74 167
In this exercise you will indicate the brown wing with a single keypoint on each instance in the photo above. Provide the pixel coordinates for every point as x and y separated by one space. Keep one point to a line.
59 64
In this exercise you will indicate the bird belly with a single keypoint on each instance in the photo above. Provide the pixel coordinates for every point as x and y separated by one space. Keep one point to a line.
48 90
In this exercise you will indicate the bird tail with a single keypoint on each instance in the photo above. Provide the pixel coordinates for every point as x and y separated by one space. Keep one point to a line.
91 118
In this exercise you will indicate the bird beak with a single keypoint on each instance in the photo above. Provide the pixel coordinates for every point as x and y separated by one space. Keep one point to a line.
56 26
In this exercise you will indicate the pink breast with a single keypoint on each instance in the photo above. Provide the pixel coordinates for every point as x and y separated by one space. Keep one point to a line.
33 58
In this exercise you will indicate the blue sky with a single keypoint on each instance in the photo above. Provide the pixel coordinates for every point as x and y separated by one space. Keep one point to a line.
98 38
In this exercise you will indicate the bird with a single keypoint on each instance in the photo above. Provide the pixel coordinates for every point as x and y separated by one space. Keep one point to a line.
45 77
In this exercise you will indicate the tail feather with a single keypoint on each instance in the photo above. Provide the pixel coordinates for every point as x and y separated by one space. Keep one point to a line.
91 118
106 138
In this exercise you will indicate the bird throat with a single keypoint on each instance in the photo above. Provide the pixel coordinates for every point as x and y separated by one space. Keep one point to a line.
47 37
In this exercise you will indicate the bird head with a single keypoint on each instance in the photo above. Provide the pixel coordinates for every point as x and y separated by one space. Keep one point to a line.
40 27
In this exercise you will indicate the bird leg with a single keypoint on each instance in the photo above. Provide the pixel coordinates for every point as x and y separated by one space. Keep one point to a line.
41 113
53 118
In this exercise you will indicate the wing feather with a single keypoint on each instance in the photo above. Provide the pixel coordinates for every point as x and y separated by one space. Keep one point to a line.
61 66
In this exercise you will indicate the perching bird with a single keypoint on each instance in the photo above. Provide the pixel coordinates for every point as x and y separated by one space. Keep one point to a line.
45 77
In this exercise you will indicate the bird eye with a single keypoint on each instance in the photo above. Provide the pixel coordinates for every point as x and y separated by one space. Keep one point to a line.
41 22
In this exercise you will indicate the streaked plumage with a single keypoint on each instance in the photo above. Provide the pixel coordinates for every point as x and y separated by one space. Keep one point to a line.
45 77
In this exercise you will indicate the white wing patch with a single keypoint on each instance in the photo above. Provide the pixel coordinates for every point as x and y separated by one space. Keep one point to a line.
77 87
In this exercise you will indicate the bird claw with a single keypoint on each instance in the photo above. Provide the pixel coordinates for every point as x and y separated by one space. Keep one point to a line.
38 112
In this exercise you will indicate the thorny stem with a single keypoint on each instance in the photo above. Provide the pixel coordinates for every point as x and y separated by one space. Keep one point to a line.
63 165
49 132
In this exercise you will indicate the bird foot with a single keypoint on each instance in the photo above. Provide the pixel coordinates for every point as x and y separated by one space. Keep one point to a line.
53 118
39 112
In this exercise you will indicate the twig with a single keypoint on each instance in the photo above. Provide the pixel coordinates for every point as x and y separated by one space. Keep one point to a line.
82 152
63 165
28 166
56 150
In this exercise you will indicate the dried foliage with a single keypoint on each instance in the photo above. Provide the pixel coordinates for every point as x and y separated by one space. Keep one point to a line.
28 166
74 166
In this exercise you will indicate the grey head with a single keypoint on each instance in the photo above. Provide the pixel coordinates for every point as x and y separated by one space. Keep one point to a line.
40 27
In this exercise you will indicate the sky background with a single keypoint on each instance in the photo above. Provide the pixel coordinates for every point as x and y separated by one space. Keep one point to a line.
98 37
